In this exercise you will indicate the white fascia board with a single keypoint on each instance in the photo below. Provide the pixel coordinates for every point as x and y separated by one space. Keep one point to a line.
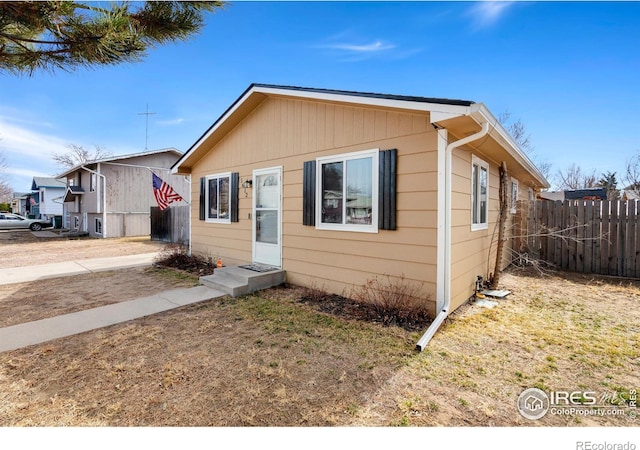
480 113
213 129
360 100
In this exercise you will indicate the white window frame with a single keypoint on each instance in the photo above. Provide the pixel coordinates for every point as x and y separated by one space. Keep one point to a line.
481 164
98 225
93 181
206 198
344 157
76 222
514 191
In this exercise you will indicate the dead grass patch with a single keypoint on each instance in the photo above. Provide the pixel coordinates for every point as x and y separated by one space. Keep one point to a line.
562 332
26 302
270 359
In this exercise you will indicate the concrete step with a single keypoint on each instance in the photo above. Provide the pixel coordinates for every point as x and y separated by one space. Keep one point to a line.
239 280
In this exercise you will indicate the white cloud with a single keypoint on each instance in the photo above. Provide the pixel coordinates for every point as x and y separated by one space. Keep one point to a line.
28 150
352 49
377 46
17 139
171 122
485 14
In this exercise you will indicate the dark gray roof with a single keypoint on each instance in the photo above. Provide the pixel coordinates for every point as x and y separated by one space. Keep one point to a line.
71 193
409 98
577 194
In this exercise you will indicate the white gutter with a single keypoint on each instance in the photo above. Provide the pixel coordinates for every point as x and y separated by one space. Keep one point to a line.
104 199
443 302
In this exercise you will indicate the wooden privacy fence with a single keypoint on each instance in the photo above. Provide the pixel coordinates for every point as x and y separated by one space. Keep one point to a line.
588 236
171 224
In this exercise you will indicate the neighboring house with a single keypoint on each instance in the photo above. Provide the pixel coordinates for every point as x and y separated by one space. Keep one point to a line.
50 198
112 197
630 193
19 203
598 193
346 186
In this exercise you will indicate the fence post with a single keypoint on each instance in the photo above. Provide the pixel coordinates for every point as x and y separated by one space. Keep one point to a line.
580 204
588 238
596 235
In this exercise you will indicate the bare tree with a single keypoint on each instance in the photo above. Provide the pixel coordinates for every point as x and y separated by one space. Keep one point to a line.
5 188
77 155
574 177
502 220
518 131
632 175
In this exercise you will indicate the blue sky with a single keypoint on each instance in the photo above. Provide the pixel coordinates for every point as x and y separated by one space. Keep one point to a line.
569 70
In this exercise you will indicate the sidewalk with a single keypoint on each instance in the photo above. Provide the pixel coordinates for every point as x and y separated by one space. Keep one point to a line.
39 331
67 268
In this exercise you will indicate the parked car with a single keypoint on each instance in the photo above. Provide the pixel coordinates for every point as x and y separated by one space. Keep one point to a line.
10 221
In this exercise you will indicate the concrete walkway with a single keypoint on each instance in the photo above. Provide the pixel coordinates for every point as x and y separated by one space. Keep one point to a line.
39 331
66 268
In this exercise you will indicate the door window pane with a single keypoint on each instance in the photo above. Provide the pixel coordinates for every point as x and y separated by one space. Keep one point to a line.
267 226
267 191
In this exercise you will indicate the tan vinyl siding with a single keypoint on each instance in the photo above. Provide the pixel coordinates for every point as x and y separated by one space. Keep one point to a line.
285 132
473 253
469 248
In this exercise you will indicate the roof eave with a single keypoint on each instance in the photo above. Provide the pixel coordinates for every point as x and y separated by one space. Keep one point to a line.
481 114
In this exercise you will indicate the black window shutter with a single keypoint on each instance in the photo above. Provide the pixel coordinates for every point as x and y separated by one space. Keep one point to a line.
235 188
202 197
387 189
309 193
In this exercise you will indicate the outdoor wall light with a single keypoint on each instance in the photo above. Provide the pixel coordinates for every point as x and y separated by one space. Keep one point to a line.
247 184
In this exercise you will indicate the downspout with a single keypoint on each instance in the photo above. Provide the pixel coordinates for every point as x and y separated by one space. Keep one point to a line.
446 291
103 206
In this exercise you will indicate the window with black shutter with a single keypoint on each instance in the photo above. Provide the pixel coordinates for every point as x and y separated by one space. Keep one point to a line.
351 192
219 198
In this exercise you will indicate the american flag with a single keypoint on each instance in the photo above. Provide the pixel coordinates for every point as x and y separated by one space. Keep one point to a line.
164 193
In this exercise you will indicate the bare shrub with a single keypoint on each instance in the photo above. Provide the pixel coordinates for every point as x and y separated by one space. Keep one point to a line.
395 300
177 256
314 292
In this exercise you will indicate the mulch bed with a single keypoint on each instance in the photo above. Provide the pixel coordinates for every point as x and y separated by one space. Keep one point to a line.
333 304
338 305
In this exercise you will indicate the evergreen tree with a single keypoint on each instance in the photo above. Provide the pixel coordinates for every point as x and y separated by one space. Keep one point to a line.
610 182
48 35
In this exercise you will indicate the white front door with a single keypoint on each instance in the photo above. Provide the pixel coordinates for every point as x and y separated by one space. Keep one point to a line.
267 216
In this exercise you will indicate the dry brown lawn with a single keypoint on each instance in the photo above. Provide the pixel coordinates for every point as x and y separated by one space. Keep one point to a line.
22 248
270 360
